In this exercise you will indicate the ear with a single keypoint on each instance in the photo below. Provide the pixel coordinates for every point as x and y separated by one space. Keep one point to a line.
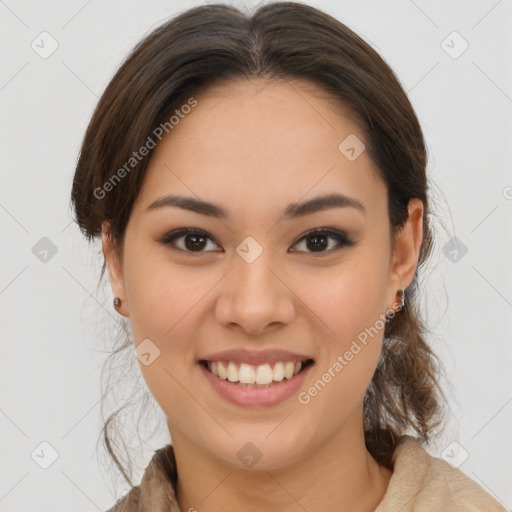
407 249
115 268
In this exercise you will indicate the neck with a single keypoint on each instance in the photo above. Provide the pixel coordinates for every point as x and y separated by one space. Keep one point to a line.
340 475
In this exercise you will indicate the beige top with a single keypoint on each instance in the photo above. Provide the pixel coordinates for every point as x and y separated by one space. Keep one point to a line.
420 483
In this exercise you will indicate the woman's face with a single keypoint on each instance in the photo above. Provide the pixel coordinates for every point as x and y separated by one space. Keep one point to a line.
257 280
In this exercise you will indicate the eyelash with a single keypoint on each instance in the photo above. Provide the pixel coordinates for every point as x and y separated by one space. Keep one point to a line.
341 238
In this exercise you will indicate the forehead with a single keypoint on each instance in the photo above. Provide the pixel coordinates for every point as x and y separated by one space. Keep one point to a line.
261 142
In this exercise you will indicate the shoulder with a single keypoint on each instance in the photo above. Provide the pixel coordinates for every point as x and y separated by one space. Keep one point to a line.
128 503
423 482
156 492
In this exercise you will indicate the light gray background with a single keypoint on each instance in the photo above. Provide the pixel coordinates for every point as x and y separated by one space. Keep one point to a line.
53 322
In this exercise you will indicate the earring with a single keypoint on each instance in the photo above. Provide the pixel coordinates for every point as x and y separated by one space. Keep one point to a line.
117 302
401 294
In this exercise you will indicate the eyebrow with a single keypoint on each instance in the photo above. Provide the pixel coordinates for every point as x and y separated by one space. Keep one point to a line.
293 210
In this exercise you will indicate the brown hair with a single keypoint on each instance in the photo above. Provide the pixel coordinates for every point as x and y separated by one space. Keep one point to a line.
285 40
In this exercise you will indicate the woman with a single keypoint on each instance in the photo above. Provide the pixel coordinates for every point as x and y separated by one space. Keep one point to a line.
259 185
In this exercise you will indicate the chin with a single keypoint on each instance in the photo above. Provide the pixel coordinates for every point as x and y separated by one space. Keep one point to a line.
258 450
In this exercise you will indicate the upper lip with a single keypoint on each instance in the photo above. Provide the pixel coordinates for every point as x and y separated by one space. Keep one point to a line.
255 357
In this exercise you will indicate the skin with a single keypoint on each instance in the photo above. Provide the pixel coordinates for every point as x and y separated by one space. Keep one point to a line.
254 147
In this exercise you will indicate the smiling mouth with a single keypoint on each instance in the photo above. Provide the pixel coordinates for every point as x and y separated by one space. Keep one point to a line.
256 376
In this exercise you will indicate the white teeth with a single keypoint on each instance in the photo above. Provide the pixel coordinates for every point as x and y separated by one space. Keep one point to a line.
223 373
264 374
232 372
278 372
249 375
288 370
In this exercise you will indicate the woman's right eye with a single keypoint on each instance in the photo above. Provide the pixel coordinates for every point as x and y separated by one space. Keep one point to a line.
188 240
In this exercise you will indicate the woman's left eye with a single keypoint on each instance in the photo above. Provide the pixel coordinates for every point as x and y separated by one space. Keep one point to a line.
316 241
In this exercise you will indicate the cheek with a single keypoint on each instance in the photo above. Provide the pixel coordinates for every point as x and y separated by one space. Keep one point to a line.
350 302
348 298
164 304
350 351
161 296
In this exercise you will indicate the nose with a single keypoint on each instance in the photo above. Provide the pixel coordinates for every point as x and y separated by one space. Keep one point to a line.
255 297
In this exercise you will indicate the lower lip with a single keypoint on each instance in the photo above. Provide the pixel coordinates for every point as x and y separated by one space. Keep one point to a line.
252 397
